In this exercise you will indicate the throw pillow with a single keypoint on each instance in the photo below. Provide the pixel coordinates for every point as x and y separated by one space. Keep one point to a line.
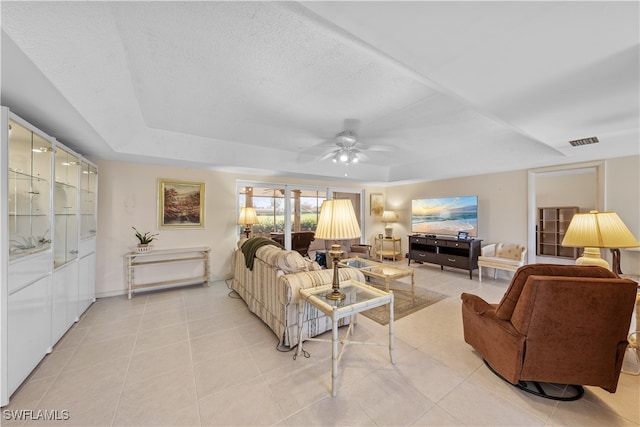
312 265
291 262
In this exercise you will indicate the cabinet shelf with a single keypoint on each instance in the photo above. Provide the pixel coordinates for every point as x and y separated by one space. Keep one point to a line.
14 174
167 261
15 254
552 225
173 283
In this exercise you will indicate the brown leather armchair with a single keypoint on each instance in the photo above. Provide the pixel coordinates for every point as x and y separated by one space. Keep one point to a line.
300 241
555 324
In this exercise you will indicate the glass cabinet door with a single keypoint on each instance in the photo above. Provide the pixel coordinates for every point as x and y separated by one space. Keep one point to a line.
88 193
67 172
29 182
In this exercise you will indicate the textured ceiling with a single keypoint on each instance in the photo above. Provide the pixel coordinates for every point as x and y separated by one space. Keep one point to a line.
433 89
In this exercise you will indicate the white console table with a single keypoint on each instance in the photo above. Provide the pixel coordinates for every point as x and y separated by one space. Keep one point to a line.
167 256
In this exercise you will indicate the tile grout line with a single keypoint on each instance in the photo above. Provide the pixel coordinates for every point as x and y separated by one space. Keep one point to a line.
193 371
126 375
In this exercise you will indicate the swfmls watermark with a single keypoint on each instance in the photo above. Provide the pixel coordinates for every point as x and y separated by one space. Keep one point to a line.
35 415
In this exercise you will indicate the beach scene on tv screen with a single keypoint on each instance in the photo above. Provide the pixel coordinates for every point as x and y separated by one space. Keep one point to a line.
447 215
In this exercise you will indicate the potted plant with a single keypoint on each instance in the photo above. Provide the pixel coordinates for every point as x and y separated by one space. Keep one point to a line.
144 240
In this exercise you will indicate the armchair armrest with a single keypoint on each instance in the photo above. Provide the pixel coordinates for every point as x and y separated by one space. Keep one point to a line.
489 250
523 256
363 249
475 303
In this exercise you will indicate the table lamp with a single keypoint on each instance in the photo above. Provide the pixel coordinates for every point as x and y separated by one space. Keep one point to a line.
337 222
247 218
388 217
595 230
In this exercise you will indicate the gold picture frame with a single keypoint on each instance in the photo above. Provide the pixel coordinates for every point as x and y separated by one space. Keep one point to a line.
180 204
376 204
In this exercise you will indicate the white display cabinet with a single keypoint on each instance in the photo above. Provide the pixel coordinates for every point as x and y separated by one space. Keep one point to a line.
65 297
88 199
66 292
88 230
29 179
26 263
67 172
47 270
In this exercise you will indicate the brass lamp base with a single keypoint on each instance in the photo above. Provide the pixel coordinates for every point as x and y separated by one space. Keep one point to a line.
335 294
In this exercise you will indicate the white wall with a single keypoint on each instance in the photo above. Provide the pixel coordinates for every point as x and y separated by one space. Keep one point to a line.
573 189
622 195
502 204
128 197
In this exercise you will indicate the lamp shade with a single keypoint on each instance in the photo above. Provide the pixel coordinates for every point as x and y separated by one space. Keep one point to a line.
598 230
388 216
337 221
247 216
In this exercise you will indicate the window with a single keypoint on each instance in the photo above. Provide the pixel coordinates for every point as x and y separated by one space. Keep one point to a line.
300 212
269 205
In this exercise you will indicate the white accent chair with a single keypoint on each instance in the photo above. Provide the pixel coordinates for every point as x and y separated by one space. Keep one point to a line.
501 256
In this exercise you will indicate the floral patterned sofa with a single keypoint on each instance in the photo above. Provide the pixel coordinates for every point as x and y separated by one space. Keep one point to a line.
271 287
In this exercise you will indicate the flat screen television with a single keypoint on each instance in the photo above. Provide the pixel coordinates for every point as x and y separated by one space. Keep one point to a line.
445 216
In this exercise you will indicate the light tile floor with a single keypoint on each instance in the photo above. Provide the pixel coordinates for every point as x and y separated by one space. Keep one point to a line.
196 357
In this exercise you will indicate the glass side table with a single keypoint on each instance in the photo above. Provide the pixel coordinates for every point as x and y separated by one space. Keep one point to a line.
359 297
384 272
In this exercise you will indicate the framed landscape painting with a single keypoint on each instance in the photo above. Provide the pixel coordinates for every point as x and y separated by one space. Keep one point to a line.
180 204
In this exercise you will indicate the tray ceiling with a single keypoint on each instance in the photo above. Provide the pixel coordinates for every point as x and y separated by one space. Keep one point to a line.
433 89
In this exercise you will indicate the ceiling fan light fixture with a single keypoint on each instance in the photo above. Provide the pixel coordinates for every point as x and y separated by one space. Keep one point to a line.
346 138
346 153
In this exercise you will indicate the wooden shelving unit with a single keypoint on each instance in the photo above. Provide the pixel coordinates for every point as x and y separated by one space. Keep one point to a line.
552 225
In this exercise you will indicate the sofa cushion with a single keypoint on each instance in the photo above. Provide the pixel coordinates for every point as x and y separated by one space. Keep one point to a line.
291 262
287 261
251 246
312 265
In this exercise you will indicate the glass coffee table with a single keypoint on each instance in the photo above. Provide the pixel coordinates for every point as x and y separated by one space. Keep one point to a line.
359 297
381 271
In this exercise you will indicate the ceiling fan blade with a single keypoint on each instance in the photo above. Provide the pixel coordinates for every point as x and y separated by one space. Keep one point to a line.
329 155
380 148
362 157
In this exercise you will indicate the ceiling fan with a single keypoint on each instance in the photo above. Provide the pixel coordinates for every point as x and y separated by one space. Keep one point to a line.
347 147
346 153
